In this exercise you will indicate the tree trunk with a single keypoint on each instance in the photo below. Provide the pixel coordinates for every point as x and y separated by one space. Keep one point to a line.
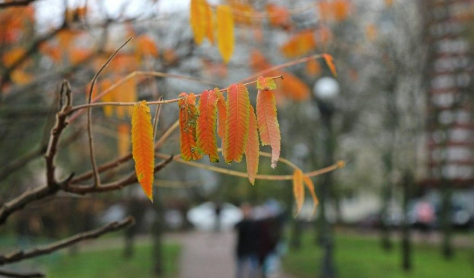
385 241
447 248
406 244
157 233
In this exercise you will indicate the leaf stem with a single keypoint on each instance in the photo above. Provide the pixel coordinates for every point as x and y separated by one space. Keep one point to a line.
259 177
89 116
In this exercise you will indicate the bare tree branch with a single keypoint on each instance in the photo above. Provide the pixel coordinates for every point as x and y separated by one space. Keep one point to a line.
8 273
30 51
20 162
19 3
116 185
112 164
56 131
43 250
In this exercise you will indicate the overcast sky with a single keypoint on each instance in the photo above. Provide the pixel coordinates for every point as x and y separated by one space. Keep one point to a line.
49 12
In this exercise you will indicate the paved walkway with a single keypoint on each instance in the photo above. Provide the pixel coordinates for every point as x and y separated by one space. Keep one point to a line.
209 255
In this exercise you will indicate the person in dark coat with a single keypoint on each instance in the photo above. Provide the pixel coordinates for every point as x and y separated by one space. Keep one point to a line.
247 245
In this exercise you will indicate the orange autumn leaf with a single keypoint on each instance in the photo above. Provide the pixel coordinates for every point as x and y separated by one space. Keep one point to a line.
324 9
300 44
123 63
294 88
123 139
258 33
198 19
341 9
298 189
20 77
206 125
170 56
258 62
79 55
143 147
66 39
225 32
309 184
50 51
278 16
243 13
145 47
237 122
313 68
330 62
222 116
268 123
252 148
13 55
188 115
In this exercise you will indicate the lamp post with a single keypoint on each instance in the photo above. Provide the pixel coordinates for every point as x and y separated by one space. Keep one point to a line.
325 91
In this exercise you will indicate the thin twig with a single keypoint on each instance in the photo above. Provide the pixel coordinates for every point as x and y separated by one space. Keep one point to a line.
339 164
8 273
156 119
89 116
133 75
52 186
47 249
116 185
285 65
112 164
166 101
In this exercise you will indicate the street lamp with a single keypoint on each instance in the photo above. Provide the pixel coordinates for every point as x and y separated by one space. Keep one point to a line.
325 91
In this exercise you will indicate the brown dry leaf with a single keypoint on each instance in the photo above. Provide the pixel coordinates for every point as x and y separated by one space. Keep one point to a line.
298 189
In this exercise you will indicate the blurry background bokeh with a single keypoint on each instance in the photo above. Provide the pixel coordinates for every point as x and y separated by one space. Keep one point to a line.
400 113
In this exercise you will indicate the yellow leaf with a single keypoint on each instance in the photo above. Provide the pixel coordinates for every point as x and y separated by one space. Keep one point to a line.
20 77
225 32
128 93
108 109
298 189
143 147
210 24
198 19
123 139
309 184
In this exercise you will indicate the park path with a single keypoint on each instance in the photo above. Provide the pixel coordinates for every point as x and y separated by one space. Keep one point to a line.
209 255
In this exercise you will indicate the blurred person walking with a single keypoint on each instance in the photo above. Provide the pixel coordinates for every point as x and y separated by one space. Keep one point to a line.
247 245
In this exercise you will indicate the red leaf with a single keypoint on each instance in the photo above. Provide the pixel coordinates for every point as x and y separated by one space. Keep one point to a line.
206 125
237 122
188 115
222 110
252 148
268 123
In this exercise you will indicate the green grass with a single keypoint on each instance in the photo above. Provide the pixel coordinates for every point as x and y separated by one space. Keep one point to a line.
361 257
108 263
